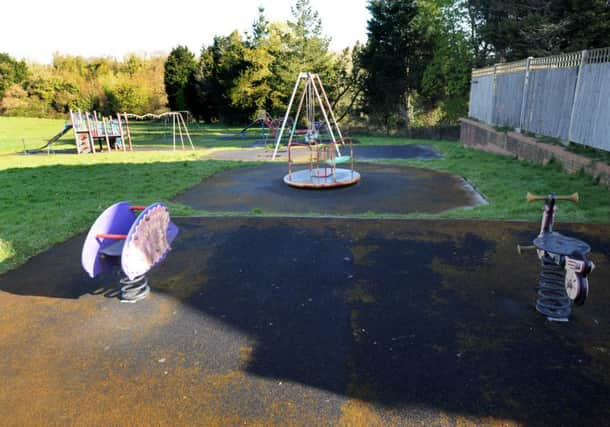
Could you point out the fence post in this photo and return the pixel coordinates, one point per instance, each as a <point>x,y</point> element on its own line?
<point>493,97</point>
<point>472,82</point>
<point>583,60</point>
<point>524,94</point>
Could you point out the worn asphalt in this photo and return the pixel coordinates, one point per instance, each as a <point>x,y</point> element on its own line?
<point>288,321</point>
<point>382,189</point>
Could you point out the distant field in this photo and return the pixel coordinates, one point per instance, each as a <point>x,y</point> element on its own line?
<point>17,133</point>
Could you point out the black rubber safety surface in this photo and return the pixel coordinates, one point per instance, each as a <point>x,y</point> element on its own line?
<point>382,189</point>
<point>308,322</point>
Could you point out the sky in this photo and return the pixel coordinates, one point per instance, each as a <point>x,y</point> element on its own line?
<point>34,29</point>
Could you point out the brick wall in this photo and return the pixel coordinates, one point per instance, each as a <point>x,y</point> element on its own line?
<point>483,137</point>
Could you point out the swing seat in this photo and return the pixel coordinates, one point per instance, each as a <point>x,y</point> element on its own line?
<point>338,160</point>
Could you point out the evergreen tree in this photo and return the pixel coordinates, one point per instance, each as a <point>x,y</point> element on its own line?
<point>260,29</point>
<point>202,89</point>
<point>254,87</point>
<point>392,60</point>
<point>229,63</point>
<point>508,30</point>
<point>307,47</point>
<point>445,81</point>
<point>179,66</point>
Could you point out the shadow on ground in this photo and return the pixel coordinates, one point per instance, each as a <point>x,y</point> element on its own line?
<point>414,319</point>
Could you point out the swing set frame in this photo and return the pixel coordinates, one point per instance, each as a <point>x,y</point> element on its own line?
<point>324,156</point>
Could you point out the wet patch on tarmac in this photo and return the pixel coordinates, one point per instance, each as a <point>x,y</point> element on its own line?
<point>309,321</point>
<point>382,189</point>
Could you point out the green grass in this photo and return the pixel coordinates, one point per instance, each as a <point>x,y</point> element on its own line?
<point>47,199</point>
<point>32,133</point>
<point>592,153</point>
<point>388,140</point>
<point>15,132</point>
<point>159,134</point>
<point>504,181</point>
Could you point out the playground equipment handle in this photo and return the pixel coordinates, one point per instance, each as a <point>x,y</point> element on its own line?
<point>533,197</point>
<point>523,248</point>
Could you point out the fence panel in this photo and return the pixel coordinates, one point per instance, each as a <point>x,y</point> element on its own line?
<point>591,121</point>
<point>481,97</point>
<point>507,105</point>
<point>549,101</point>
<point>563,96</point>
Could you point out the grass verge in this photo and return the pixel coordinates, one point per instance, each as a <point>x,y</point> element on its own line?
<point>504,181</point>
<point>47,199</point>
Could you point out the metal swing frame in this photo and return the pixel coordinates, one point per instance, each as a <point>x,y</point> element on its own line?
<point>323,155</point>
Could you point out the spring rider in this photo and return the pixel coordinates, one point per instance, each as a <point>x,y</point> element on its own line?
<point>137,237</point>
<point>564,264</point>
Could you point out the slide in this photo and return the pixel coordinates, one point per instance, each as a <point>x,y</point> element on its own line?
<point>56,137</point>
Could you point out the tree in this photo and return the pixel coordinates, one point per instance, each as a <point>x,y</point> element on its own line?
<point>300,47</point>
<point>212,84</point>
<point>346,82</point>
<point>229,63</point>
<point>11,72</point>
<point>127,96</point>
<point>257,87</point>
<point>445,83</point>
<point>178,68</point>
<point>260,29</point>
<point>392,60</point>
<point>199,89</point>
<point>515,29</point>
<point>307,48</point>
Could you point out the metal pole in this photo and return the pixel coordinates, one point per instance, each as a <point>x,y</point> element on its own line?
<point>174,130</point>
<point>296,117</point>
<point>583,60</point>
<point>524,94</point>
<point>178,116</point>
<point>186,130</point>
<point>294,91</point>
<point>332,113</point>
<point>330,129</point>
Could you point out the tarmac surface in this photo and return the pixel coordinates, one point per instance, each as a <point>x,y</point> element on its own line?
<point>272,321</point>
<point>382,189</point>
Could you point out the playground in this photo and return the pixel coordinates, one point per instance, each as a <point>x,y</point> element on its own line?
<point>397,298</point>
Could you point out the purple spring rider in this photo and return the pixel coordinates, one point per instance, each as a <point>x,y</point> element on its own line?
<point>140,241</point>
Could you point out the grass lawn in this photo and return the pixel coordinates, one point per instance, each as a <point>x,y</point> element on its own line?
<point>15,132</point>
<point>31,133</point>
<point>47,199</point>
<point>504,181</point>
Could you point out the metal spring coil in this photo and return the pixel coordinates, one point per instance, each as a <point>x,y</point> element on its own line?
<point>134,290</point>
<point>552,299</point>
